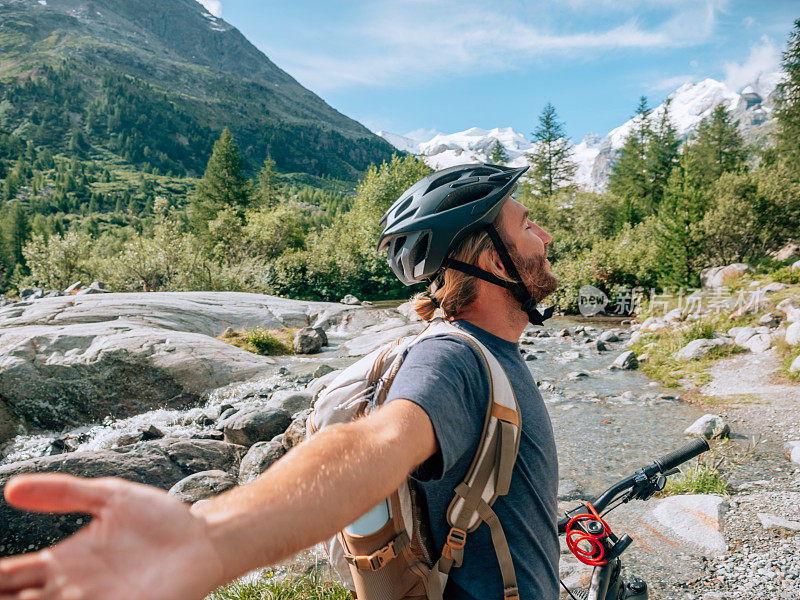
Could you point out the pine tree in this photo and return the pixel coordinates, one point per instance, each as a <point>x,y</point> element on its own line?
<point>223,184</point>
<point>267,186</point>
<point>661,158</point>
<point>716,148</point>
<point>679,237</point>
<point>788,147</point>
<point>498,155</point>
<point>15,231</point>
<point>629,178</point>
<point>552,163</point>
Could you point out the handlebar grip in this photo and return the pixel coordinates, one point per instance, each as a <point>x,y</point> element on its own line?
<point>682,454</point>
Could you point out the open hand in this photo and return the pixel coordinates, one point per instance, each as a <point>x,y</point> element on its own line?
<point>141,544</point>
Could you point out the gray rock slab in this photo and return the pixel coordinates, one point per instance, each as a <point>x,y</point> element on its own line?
<point>695,518</point>
<point>72,360</point>
<point>200,486</point>
<point>769,521</point>
<point>161,463</point>
<point>374,338</point>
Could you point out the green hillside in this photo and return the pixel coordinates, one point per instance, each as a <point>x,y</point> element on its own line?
<point>154,82</point>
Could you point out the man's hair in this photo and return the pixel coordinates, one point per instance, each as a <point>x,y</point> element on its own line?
<point>454,290</point>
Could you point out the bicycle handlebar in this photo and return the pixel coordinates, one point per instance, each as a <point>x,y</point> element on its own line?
<point>661,465</point>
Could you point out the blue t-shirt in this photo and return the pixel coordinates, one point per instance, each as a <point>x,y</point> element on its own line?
<point>445,376</point>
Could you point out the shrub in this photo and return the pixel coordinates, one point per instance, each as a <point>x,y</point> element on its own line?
<point>262,341</point>
<point>59,261</point>
<point>703,477</point>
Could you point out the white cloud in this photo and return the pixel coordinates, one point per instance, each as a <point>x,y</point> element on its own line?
<point>389,44</point>
<point>763,63</point>
<point>212,6</point>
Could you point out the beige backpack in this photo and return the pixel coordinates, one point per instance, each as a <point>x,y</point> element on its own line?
<point>399,562</point>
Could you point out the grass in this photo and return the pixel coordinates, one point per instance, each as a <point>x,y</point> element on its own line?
<point>662,364</point>
<point>787,355</point>
<point>694,397</point>
<point>267,342</point>
<point>307,587</point>
<point>700,478</point>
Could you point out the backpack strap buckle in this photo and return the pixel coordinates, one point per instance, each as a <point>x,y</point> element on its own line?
<point>380,557</point>
<point>511,593</point>
<point>456,538</point>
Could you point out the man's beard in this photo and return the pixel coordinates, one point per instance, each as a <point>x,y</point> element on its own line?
<point>536,275</point>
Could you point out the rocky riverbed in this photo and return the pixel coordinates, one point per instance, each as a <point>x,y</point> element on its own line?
<point>138,385</point>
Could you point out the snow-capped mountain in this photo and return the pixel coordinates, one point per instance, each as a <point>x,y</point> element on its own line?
<point>596,156</point>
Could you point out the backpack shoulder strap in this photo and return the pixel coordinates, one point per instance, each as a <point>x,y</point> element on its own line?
<point>489,475</point>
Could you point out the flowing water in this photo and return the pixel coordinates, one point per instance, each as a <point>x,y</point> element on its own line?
<point>606,423</point>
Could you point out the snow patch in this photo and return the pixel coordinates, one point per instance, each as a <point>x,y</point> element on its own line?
<point>43,2</point>
<point>594,156</point>
<point>212,6</point>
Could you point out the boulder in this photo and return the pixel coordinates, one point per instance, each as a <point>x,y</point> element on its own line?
<point>717,277</point>
<point>793,334</point>
<point>322,370</point>
<point>73,288</point>
<point>95,287</point>
<point>350,300</point>
<point>292,401</point>
<point>695,518</point>
<point>794,451</point>
<point>608,336</point>
<point>259,458</point>
<point>574,375</point>
<point>307,341</point>
<point>72,360</point>
<point>788,251</point>
<point>654,324</point>
<point>249,426</point>
<point>161,463</point>
<point>296,432</point>
<point>698,348</point>
<point>675,315</point>
<point>322,335</point>
<point>795,366</point>
<point>768,320</point>
<point>709,426</point>
<point>761,342</point>
<point>795,266</point>
<point>200,486</point>
<point>600,345</point>
<point>530,357</point>
<point>626,360</point>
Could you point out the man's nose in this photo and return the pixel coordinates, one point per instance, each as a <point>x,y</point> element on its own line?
<point>543,235</point>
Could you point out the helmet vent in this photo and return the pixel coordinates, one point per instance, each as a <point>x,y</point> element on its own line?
<point>443,180</point>
<point>465,195</point>
<point>400,209</point>
<point>482,172</point>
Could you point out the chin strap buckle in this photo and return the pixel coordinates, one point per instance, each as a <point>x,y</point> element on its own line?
<point>534,316</point>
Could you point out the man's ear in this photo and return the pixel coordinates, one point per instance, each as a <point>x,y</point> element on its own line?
<point>490,261</point>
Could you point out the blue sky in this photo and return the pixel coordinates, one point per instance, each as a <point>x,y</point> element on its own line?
<point>446,65</point>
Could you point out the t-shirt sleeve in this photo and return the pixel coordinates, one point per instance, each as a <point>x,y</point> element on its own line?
<point>446,378</point>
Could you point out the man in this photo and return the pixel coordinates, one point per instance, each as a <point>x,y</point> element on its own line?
<point>143,544</point>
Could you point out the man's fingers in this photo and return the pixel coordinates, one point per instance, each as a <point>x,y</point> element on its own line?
<point>24,595</point>
<point>22,572</point>
<point>57,493</point>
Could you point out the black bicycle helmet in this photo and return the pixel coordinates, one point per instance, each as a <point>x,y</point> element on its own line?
<point>434,214</point>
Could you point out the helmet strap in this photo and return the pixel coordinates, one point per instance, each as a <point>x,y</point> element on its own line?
<point>517,287</point>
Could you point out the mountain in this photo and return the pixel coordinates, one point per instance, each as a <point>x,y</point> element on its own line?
<point>155,81</point>
<point>753,107</point>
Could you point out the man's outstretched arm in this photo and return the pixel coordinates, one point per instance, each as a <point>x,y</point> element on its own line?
<point>143,544</point>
